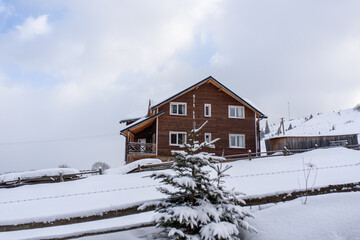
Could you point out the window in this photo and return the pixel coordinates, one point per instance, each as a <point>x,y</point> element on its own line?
<point>236,112</point>
<point>237,140</point>
<point>207,137</point>
<point>178,109</point>
<point>207,110</point>
<point>177,138</point>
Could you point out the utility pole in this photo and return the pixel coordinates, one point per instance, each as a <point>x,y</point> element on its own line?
<point>194,120</point>
<point>289,110</point>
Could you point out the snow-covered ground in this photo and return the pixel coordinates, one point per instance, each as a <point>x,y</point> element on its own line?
<point>325,217</point>
<point>333,216</point>
<point>336,123</point>
<point>95,194</point>
<point>104,225</point>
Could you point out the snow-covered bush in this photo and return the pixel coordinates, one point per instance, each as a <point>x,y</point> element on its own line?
<point>198,206</point>
<point>97,165</point>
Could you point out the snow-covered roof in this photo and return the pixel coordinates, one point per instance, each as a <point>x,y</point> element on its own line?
<point>140,121</point>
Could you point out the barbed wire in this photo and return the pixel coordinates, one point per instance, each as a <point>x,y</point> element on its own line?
<point>295,170</point>
<point>80,194</point>
<point>158,185</point>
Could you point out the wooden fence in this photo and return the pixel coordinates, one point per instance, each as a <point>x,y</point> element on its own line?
<point>48,179</point>
<point>249,201</point>
<point>237,157</point>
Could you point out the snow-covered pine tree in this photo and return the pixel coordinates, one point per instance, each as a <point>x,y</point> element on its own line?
<point>198,206</point>
<point>267,129</point>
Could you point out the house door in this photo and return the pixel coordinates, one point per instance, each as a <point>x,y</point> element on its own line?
<point>142,144</point>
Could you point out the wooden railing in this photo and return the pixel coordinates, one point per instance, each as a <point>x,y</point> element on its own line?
<point>135,147</point>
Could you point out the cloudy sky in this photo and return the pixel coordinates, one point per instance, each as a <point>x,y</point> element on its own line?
<point>70,70</point>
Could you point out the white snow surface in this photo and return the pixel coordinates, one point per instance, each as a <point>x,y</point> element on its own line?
<point>98,193</point>
<point>79,228</point>
<point>331,216</point>
<point>37,173</point>
<point>336,123</point>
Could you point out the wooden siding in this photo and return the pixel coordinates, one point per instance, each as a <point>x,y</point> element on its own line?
<point>219,124</point>
<point>307,141</point>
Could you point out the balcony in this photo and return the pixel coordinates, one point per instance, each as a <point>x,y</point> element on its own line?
<point>141,148</point>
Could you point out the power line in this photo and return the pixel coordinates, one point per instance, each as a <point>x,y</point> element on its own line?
<point>57,139</point>
<point>292,171</point>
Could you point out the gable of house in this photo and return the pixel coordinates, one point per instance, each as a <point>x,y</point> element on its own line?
<point>217,102</point>
<point>221,87</point>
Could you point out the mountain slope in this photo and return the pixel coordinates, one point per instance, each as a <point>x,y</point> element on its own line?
<point>335,123</point>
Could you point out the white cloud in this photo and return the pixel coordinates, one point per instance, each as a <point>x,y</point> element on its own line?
<point>33,27</point>
<point>108,59</point>
<point>4,9</point>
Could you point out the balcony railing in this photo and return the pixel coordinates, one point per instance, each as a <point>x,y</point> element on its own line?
<point>135,147</point>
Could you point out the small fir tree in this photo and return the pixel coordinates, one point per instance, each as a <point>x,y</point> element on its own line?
<point>290,127</point>
<point>198,206</point>
<point>267,129</point>
<point>262,134</point>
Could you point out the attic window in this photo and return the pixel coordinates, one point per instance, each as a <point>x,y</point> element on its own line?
<point>178,109</point>
<point>236,112</point>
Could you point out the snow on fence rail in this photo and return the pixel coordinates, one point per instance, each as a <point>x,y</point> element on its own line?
<point>255,200</point>
<point>18,179</point>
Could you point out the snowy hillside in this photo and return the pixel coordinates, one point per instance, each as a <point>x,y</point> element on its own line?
<point>335,123</point>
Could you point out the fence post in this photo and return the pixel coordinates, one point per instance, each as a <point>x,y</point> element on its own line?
<point>100,170</point>
<point>249,154</point>
<point>61,177</point>
<point>285,151</point>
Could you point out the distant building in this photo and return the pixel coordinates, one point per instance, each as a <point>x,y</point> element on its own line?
<point>306,142</point>
<point>231,118</point>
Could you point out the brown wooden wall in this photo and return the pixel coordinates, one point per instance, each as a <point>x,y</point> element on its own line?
<point>308,142</point>
<point>219,124</point>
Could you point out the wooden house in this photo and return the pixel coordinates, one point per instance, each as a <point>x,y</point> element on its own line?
<point>231,118</point>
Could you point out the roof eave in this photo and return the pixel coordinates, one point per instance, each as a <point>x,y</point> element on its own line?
<point>141,122</point>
